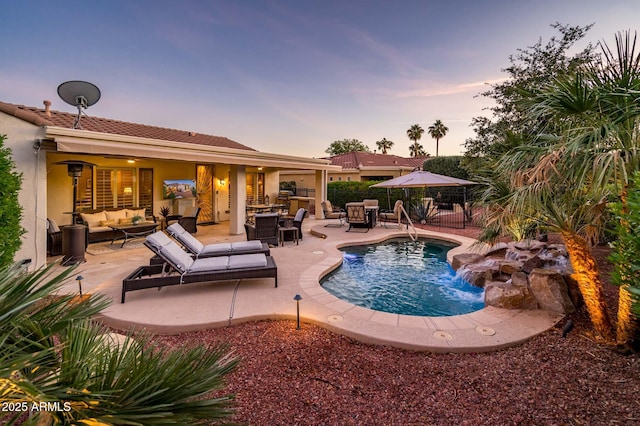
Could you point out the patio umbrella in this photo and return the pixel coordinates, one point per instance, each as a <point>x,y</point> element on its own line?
<point>419,179</point>
<point>422,179</point>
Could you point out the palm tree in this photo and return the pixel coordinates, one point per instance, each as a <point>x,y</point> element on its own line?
<point>53,351</point>
<point>591,146</point>
<point>384,145</point>
<point>416,150</point>
<point>415,133</point>
<point>438,131</point>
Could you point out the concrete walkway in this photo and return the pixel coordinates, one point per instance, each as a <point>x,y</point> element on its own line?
<point>199,306</point>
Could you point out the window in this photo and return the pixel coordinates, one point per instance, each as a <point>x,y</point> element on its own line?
<point>84,195</point>
<point>145,190</point>
<point>255,188</point>
<point>115,188</point>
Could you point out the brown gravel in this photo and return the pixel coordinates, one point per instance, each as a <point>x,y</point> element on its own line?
<point>315,377</point>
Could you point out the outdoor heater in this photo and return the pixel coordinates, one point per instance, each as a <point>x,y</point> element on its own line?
<point>73,236</point>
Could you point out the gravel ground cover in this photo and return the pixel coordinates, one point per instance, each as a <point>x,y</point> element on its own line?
<point>315,377</point>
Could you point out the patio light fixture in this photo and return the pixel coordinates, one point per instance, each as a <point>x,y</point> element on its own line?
<point>297,298</point>
<point>79,278</point>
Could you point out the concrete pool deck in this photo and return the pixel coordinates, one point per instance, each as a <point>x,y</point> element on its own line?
<point>199,306</point>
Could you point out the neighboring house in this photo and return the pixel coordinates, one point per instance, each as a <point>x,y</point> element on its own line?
<point>358,166</point>
<point>131,162</point>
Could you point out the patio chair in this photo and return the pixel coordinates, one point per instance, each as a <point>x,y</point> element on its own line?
<point>54,238</point>
<point>189,219</point>
<point>357,216</point>
<point>264,228</point>
<point>393,216</point>
<point>332,212</point>
<point>180,268</point>
<point>297,221</point>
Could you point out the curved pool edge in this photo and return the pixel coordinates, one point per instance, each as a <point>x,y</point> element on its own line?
<point>487,329</point>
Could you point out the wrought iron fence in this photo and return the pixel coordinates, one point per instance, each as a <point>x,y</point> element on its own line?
<point>450,207</point>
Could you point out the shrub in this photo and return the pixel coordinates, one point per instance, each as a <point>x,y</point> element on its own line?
<point>448,166</point>
<point>10,209</point>
<point>53,352</point>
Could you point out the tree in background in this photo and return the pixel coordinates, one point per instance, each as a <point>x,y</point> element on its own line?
<point>415,133</point>
<point>384,145</point>
<point>346,145</point>
<point>437,131</point>
<point>416,150</point>
<point>448,166</point>
<point>529,69</point>
<point>10,209</point>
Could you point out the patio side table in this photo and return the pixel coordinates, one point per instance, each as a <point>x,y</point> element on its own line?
<point>284,230</point>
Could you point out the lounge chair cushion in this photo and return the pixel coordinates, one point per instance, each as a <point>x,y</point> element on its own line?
<point>246,245</point>
<point>172,251</point>
<point>188,240</point>
<point>210,264</point>
<point>195,246</point>
<point>240,261</point>
<point>158,240</point>
<point>257,260</point>
<point>177,256</point>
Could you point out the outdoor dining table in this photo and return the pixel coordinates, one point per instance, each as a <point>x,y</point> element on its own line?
<point>372,212</point>
<point>252,209</point>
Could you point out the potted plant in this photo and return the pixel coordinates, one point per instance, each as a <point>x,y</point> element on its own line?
<point>165,211</point>
<point>137,219</point>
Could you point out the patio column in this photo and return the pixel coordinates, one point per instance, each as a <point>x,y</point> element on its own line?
<point>321,191</point>
<point>238,195</point>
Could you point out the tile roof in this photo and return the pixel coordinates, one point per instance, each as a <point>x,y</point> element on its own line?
<point>40,117</point>
<point>356,160</point>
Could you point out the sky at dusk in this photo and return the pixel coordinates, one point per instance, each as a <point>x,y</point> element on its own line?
<point>286,77</point>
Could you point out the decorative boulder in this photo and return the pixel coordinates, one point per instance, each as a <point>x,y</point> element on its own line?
<point>509,296</point>
<point>480,272</point>
<point>509,266</point>
<point>497,250</point>
<point>520,279</point>
<point>531,264</point>
<point>465,258</point>
<point>550,289</point>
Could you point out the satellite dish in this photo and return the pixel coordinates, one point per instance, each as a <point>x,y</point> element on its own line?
<point>80,94</point>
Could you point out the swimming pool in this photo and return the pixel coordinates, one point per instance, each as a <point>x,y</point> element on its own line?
<point>403,277</point>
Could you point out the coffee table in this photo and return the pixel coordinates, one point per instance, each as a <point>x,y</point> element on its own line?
<point>133,231</point>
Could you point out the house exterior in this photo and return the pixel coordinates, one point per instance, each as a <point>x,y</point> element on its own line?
<point>358,167</point>
<point>129,164</point>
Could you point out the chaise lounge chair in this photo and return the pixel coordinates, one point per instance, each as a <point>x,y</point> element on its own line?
<point>193,245</point>
<point>180,268</point>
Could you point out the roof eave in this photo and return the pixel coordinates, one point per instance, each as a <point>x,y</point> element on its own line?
<point>82,141</point>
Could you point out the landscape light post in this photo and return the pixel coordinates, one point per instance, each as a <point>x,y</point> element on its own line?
<point>297,298</point>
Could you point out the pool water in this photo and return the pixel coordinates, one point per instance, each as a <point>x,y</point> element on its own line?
<point>403,277</point>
